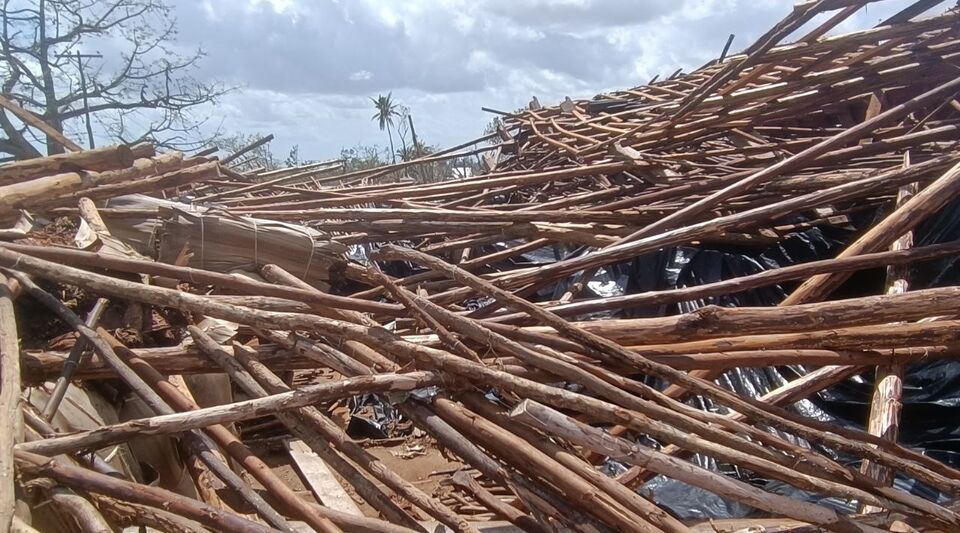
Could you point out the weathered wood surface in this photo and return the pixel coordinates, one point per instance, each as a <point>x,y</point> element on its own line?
<point>98,160</point>
<point>29,118</point>
<point>320,479</point>
<point>554,422</point>
<point>9,401</point>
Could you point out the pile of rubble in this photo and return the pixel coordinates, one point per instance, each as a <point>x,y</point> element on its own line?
<point>633,320</point>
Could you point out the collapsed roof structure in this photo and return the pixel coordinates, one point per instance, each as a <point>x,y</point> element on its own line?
<point>711,297</point>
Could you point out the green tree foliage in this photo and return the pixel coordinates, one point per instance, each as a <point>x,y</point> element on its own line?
<point>260,157</point>
<point>387,111</point>
<point>363,157</point>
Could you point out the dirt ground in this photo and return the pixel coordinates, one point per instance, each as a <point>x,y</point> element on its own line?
<point>416,459</point>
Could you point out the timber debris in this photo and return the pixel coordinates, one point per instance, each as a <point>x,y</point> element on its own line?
<point>203,313</point>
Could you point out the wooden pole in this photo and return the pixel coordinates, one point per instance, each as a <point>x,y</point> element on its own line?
<point>72,361</point>
<point>326,427</point>
<point>886,404</point>
<point>757,411</point>
<point>235,412</point>
<point>227,441</point>
<point>535,496</point>
<point>29,118</point>
<point>297,425</point>
<point>9,402</point>
<point>75,477</point>
<point>523,456</point>
<point>86,516</point>
<point>545,419</point>
<point>99,160</point>
<point>853,441</point>
<point>906,217</point>
<point>196,442</point>
<point>504,510</point>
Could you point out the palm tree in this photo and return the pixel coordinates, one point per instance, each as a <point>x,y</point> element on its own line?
<point>386,110</point>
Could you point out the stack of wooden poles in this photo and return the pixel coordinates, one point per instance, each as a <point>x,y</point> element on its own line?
<point>520,370</point>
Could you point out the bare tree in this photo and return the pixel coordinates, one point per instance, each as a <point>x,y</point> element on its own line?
<point>143,91</point>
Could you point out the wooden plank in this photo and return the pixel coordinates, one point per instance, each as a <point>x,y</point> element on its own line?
<point>33,120</point>
<point>321,480</point>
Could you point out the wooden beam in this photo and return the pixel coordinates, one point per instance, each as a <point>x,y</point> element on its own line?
<point>321,480</point>
<point>31,119</point>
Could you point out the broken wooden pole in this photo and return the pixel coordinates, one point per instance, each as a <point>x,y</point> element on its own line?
<point>886,403</point>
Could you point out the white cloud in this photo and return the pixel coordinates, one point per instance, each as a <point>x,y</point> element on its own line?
<point>310,65</point>
<point>279,6</point>
<point>208,10</point>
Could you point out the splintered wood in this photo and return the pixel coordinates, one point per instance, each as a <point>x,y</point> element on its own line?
<point>572,339</point>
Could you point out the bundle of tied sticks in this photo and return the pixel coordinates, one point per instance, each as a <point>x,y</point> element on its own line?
<point>480,308</point>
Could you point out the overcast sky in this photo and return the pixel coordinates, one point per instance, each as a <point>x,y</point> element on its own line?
<point>307,68</point>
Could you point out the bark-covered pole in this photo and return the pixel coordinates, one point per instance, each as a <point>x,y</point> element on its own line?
<point>10,418</point>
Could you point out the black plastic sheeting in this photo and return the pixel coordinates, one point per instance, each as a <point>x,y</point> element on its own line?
<point>931,390</point>
<point>931,393</point>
